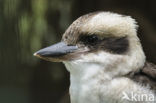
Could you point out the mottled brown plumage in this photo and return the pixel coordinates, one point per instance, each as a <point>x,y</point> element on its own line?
<point>74,30</point>
<point>146,76</point>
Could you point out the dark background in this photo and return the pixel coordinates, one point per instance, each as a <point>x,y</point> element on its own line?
<point>28,25</point>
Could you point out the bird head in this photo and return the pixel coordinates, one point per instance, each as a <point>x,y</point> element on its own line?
<point>99,40</point>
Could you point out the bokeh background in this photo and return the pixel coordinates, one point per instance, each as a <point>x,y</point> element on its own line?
<point>28,25</point>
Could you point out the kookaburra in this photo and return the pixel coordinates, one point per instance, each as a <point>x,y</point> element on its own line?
<point>105,59</point>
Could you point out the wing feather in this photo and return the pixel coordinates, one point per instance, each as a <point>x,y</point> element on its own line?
<point>146,76</point>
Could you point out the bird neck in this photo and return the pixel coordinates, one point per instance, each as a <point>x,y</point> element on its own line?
<point>86,72</point>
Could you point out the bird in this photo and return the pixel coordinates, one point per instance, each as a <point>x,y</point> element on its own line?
<point>105,59</point>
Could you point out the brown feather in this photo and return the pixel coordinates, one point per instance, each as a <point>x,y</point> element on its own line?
<point>146,76</point>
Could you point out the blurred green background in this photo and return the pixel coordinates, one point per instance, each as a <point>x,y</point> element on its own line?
<point>29,25</point>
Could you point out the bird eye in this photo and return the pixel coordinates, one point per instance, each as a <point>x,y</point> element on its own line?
<point>89,39</point>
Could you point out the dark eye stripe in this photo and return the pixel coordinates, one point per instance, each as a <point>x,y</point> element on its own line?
<point>115,45</point>
<point>89,39</point>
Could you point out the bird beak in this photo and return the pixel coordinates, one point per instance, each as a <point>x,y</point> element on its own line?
<point>55,52</point>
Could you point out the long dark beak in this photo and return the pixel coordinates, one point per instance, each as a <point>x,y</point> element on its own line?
<point>56,50</point>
